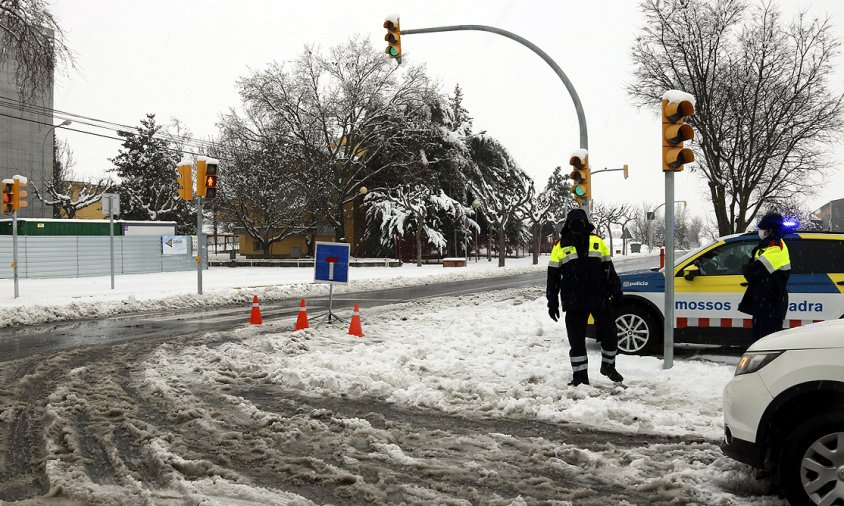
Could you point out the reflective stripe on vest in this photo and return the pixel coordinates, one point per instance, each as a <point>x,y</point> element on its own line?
<point>775,257</point>
<point>561,254</point>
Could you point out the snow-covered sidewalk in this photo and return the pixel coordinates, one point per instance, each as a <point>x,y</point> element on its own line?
<point>43,300</point>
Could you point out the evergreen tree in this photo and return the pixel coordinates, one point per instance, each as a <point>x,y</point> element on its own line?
<point>461,121</point>
<point>146,167</point>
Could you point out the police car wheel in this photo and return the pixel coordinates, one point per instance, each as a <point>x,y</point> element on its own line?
<point>637,332</point>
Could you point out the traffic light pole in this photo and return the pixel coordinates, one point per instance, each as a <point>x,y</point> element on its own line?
<point>668,325</point>
<point>15,249</point>
<point>581,117</point>
<point>199,245</point>
<point>111,236</point>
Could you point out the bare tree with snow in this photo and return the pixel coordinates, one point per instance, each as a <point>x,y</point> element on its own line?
<point>501,186</point>
<point>70,196</point>
<point>604,215</point>
<point>765,111</point>
<point>547,208</point>
<point>265,190</point>
<point>63,192</point>
<point>345,110</point>
<point>31,37</point>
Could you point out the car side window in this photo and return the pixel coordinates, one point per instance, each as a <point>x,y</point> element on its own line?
<point>726,260</point>
<point>816,256</point>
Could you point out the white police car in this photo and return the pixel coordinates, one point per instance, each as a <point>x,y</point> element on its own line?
<point>709,285</point>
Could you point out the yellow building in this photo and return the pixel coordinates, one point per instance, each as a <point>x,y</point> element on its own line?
<point>296,246</point>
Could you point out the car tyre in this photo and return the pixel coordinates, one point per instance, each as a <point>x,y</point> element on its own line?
<point>638,331</point>
<point>811,463</point>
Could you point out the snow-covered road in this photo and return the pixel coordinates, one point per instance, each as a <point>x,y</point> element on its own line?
<point>458,400</point>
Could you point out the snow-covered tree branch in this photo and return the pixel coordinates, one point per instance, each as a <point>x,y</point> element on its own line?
<point>500,185</point>
<point>414,208</point>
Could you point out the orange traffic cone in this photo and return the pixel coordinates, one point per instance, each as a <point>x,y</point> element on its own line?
<point>255,317</point>
<point>302,319</point>
<point>354,327</point>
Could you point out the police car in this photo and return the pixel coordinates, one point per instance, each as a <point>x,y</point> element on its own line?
<point>708,286</point>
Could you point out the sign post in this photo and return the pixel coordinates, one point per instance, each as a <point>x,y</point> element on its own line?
<point>331,266</point>
<point>111,206</point>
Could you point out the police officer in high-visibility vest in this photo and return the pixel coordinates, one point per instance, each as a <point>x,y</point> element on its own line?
<point>581,273</point>
<point>767,271</point>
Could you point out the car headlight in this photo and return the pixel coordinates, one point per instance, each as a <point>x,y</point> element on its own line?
<point>753,361</point>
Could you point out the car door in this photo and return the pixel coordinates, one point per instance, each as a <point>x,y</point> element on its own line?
<point>708,289</point>
<point>816,284</point>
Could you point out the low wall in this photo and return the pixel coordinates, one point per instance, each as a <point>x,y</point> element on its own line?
<point>78,256</point>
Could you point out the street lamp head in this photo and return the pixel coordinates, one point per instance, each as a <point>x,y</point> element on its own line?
<point>363,190</point>
<point>476,203</point>
<point>65,123</point>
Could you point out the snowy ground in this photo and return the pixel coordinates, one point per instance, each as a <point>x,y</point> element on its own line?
<point>461,401</point>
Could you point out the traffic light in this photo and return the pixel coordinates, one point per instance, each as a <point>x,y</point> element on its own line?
<point>185,183</point>
<point>8,195</point>
<point>19,193</point>
<point>676,108</point>
<point>581,175</point>
<point>393,37</point>
<point>211,180</point>
<point>206,178</point>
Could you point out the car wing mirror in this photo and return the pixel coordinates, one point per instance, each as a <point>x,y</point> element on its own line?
<point>691,272</point>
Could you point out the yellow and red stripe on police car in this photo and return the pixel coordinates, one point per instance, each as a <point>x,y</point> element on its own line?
<point>734,323</point>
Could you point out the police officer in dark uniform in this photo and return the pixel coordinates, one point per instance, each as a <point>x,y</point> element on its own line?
<point>581,273</point>
<point>766,298</point>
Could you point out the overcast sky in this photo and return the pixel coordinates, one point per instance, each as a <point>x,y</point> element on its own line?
<point>182,59</point>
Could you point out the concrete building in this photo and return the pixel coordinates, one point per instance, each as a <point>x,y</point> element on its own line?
<point>831,216</point>
<point>26,138</point>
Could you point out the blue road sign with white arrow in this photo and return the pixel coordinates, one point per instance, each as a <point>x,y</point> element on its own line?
<point>332,262</point>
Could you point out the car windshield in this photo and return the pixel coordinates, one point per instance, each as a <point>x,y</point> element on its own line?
<point>693,252</point>
<point>688,255</point>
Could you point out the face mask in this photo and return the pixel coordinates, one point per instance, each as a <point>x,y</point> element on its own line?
<point>762,233</point>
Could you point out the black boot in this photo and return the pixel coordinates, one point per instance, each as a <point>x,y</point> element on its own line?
<point>579,378</point>
<point>609,371</point>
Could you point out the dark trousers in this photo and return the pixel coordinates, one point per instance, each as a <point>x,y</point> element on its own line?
<point>605,332</point>
<point>576,330</point>
<point>764,326</point>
